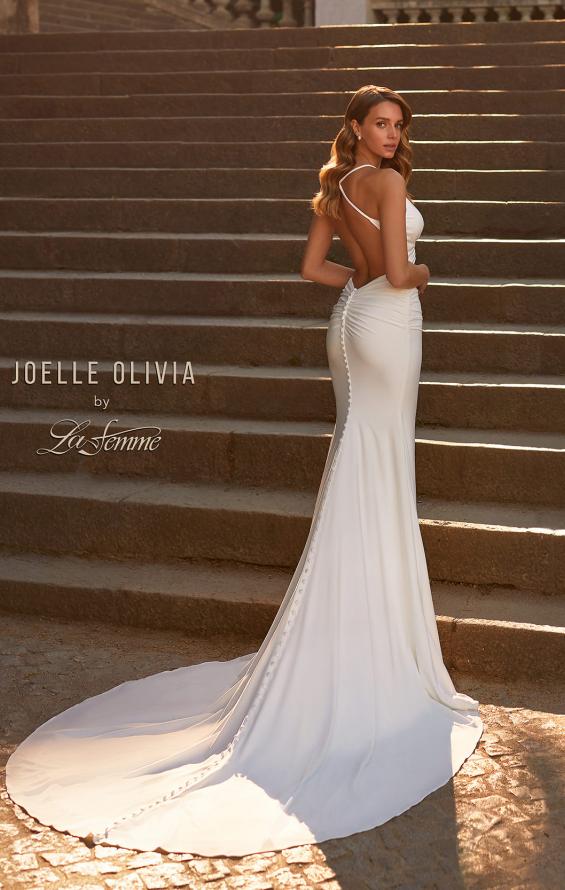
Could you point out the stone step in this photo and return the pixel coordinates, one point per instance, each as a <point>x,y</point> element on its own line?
<point>268,215</point>
<point>126,518</point>
<point>452,464</point>
<point>447,127</point>
<point>534,301</point>
<point>298,342</point>
<point>495,401</point>
<point>233,482</point>
<point>57,15</point>
<point>491,401</point>
<point>490,632</point>
<point>486,155</point>
<point>259,252</point>
<point>248,183</point>
<point>106,16</point>
<point>262,392</point>
<point>56,25</point>
<point>462,101</point>
<point>498,402</point>
<point>126,8</point>
<point>50,20</point>
<point>79,23</point>
<point>548,76</point>
<point>532,31</point>
<point>59,22</point>
<point>491,465</point>
<point>420,55</point>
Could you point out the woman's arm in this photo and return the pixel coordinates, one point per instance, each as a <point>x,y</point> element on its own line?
<point>392,213</point>
<point>315,266</point>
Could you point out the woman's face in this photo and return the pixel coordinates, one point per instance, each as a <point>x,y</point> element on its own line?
<point>381,129</point>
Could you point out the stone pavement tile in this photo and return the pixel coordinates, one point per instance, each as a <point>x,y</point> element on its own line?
<point>126,882</point>
<point>260,862</point>
<point>168,874</point>
<point>284,877</point>
<point>23,861</point>
<point>85,887</point>
<point>317,873</point>
<point>499,823</point>
<point>106,851</point>
<point>90,868</point>
<point>54,857</point>
<point>37,876</point>
<point>209,869</point>
<point>145,858</point>
<point>249,882</point>
<point>298,855</point>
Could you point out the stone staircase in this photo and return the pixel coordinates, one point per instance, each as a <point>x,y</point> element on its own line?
<point>155,202</point>
<point>105,15</point>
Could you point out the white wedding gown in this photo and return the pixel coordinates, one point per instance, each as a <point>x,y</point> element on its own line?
<point>346,715</point>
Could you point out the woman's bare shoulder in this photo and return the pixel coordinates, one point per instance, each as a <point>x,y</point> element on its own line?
<point>391,180</point>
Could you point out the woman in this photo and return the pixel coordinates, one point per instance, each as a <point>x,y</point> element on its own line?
<point>346,715</point>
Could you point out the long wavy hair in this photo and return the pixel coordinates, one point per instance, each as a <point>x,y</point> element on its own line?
<point>327,199</point>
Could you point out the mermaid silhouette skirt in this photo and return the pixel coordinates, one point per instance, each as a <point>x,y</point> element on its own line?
<point>345,716</point>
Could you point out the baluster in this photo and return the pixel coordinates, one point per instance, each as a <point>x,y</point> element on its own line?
<point>243,18</point>
<point>265,14</point>
<point>504,13</point>
<point>390,12</point>
<point>308,13</point>
<point>287,19</point>
<point>204,6</point>
<point>480,13</point>
<point>220,13</point>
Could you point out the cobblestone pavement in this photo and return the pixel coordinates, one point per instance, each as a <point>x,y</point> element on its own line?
<point>499,823</point>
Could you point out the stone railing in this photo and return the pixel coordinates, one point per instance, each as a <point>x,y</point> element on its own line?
<point>23,15</point>
<point>241,13</point>
<point>461,11</point>
<point>300,13</point>
<point>20,16</point>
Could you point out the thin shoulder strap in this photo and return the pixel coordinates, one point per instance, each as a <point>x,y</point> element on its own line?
<point>362,212</point>
<point>353,169</point>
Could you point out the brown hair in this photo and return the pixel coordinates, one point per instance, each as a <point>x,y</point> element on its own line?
<point>326,200</point>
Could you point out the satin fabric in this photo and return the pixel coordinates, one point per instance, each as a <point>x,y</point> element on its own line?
<point>346,715</point>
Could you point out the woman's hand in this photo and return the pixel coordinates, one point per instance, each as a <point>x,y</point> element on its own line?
<point>422,287</point>
<point>360,275</point>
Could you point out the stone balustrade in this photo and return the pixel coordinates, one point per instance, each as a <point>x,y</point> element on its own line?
<point>24,15</point>
<point>461,11</point>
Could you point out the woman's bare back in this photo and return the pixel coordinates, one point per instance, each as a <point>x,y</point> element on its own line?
<point>360,237</point>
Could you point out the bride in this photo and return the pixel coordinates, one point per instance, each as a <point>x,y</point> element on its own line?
<point>346,715</point>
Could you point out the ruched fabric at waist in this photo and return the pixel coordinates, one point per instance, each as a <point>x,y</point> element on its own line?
<point>393,305</point>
